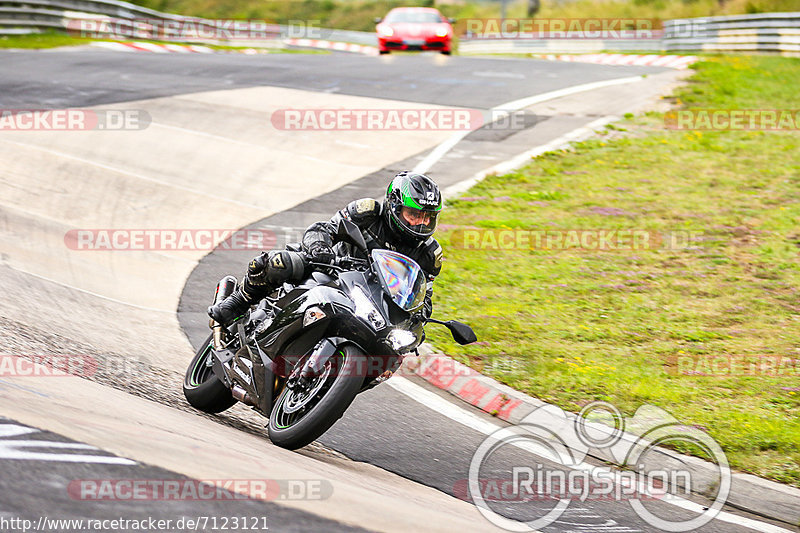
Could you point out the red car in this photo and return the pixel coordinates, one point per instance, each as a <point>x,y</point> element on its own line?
<point>414,28</point>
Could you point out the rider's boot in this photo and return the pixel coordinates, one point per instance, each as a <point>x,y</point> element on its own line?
<point>231,307</point>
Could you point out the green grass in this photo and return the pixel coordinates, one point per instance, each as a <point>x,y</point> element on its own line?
<point>41,40</point>
<point>572,326</point>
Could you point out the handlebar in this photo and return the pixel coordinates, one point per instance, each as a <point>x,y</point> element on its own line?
<point>342,264</point>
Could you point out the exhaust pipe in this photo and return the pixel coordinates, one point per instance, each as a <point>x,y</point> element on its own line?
<point>241,395</point>
<point>224,289</point>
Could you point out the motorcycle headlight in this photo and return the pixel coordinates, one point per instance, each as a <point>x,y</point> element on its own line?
<point>401,338</point>
<point>366,310</point>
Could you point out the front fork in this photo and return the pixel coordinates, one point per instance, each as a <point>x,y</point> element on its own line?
<point>225,288</point>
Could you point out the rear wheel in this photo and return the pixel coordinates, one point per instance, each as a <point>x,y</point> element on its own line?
<point>305,411</point>
<point>202,388</point>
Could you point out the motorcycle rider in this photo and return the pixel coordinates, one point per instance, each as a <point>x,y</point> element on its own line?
<point>404,222</point>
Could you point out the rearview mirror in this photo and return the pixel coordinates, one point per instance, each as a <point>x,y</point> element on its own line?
<point>349,232</point>
<point>451,20</point>
<point>462,333</point>
<point>378,20</point>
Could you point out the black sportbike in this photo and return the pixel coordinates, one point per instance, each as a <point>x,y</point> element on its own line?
<point>303,353</point>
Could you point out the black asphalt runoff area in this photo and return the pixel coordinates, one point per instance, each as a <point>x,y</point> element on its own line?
<point>72,496</point>
<point>63,78</point>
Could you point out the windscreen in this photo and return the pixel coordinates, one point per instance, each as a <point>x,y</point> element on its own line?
<point>417,17</point>
<point>402,277</point>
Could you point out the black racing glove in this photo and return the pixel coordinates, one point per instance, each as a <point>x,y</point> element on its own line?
<point>257,271</point>
<point>320,252</point>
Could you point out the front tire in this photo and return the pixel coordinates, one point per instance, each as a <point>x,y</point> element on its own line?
<point>332,397</point>
<point>201,387</point>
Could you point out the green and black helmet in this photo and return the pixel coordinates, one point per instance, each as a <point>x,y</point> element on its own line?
<point>412,206</point>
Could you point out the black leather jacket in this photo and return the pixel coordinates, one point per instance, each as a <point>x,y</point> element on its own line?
<point>367,214</point>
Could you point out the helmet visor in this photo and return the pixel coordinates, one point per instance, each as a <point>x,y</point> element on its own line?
<point>419,222</point>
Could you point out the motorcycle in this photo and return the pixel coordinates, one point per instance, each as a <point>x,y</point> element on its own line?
<point>302,354</point>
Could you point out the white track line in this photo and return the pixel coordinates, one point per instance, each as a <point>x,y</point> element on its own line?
<point>444,407</point>
<point>437,153</point>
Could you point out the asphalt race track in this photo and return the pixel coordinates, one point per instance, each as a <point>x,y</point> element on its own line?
<point>210,159</point>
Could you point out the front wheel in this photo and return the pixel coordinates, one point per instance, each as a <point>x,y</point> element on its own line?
<point>303,413</point>
<point>202,388</point>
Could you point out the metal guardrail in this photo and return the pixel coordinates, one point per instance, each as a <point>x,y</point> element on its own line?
<point>347,36</point>
<point>118,19</point>
<point>763,32</point>
<point>130,20</point>
<point>126,20</point>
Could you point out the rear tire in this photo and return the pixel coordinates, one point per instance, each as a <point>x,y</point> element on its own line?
<point>338,392</point>
<point>201,387</point>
